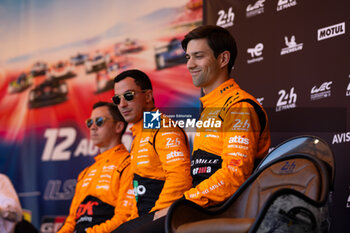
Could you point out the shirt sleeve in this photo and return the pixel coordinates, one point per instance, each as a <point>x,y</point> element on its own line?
<point>125,204</point>
<point>174,154</point>
<point>69,223</point>
<point>241,132</point>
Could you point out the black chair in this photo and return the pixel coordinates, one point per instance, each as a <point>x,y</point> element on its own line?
<point>287,192</point>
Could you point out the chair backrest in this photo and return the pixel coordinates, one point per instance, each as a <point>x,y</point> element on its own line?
<point>300,172</point>
<point>304,144</point>
<point>304,164</point>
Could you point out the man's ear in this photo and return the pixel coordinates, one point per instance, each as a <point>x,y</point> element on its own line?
<point>149,96</point>
<point>224,58</point>
<point>119,126</point>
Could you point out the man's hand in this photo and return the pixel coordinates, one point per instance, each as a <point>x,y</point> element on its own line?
<point>160,213</point>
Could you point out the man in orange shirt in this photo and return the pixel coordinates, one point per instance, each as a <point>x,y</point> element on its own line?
<point>160,156</point>
<point>103,196</point>
<point>223,156</point>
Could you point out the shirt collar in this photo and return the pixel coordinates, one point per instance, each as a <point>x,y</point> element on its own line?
<point>216,94</point>
<point>110,152</point>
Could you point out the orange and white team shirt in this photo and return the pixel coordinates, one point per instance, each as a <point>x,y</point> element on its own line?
<point>160,160</point>
<point>224,153</point>
<point>104,197</point>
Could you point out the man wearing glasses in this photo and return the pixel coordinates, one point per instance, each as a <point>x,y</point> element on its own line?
<point>103,196</point>
<point>160,158</point>
<point>243,136</point>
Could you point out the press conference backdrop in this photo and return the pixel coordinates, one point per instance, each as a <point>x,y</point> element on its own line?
<point>58,58</point>
<point>294,56</point>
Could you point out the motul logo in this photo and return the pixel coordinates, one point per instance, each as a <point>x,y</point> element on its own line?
<point>331,31</point>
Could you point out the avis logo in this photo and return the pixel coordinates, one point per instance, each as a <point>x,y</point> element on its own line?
<point>286,100</point>
<point>292,46</point>
<point>151,120</point>
<point>256,53</point>
<point>341,138</point>
<point>331,31</point>
<point>284,4</point>
<point>323,91</point>
<point>256,9</point>
<point>225,19</point>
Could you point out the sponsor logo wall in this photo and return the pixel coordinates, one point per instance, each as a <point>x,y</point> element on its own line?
<point>57,59</point>
<point>294,57</point>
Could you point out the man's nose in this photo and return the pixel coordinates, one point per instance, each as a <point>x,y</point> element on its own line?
<point>123,102</point>
<point>93,126</point>
<point>190,63</point>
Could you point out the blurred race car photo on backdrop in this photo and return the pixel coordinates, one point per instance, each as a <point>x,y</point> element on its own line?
<point>79,59</point>
<point>21,83</point>
<point>38,69</point>
<point>49,92</point>
<point>170,55</point>
<point>97,63</point>
<point>61,70</point>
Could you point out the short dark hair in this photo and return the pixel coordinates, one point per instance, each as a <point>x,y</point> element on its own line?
<point>114,111</point>
<point>141,79</point>
<point>218,38</point>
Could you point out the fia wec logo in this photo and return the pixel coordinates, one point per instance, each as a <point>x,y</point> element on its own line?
<point>256,9</point>
<point>321,92</point>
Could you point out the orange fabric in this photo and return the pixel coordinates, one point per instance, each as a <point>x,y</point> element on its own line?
<point>105,172</point>
<point>237,142</point>
<point>169,161</point>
